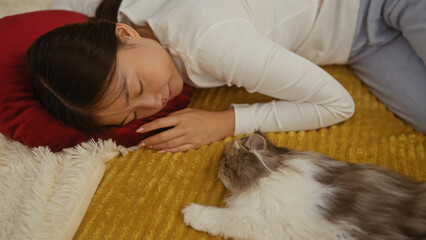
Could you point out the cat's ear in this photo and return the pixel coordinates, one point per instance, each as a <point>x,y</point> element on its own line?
<point>256,142</point>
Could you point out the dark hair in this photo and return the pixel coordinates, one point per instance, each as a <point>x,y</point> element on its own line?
<point>72,68</point>
<point>108,9</point>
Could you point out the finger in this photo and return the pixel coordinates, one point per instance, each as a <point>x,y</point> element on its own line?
<point>171,143</point>
<point>182,148</point>
<point>159,138</point>
<point>157,124</point>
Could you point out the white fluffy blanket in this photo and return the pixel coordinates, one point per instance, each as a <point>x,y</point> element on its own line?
<point>44,195</point>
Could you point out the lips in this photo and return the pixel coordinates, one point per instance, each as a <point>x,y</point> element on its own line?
<point>171,91</point>
<point>170,96</point>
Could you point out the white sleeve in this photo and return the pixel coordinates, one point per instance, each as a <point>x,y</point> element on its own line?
<point>308,97</point>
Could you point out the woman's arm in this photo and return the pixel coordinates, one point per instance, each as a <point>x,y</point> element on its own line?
<point>309,98</point>
<point>234,52</point>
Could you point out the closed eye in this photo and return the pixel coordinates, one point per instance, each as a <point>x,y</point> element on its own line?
<point>127,100</point>
<point>141,90</point>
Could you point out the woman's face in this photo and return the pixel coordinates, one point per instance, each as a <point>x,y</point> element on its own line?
<point>146,79</point>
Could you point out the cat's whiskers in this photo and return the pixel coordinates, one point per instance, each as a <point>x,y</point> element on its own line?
<point>216,178</point>
<point>216,171</point>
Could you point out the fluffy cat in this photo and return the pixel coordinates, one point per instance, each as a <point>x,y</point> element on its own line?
<point>278,193</point>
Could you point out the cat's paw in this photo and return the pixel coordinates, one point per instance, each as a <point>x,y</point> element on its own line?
<point>192,216</point>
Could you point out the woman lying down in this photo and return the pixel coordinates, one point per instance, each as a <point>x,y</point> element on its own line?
<point>135,56</point>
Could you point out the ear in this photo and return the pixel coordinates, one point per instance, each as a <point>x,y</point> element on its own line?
<point>125,31</point>
<point>256,142</point>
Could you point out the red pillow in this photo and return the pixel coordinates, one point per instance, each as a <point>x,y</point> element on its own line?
<point>22,117</point>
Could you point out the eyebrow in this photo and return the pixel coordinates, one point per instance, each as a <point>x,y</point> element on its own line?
<point>126,91</point>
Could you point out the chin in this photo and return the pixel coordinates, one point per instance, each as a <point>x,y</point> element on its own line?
<point>151,113</point>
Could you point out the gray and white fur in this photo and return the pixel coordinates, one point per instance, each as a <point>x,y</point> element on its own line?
<point>278,193</point>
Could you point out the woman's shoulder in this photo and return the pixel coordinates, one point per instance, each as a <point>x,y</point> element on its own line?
<point>181,14</point>
<point>183,22</point>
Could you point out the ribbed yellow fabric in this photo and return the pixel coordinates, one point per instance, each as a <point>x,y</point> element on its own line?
<point>142,193</point>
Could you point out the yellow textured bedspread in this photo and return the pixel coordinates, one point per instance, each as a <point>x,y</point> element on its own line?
<point>142,193</point>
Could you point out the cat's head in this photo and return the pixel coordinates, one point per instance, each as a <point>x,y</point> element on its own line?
<point>248,159</point>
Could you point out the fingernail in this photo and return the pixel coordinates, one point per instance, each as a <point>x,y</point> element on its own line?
<point>139,130</point>
<point>142,144</point>
<point>162,151</point>
<point>150,146</point>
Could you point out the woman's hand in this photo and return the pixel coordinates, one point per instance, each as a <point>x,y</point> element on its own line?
<point>191,128</point>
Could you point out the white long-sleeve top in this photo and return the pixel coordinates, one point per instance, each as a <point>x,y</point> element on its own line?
<point>266,46</point>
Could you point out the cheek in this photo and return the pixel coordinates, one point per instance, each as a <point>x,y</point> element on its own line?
<point>156,80</point>
<point>224,176</point>
<point>163,65</point>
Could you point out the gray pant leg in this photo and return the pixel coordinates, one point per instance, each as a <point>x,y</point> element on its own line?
<point>390,65</point>
<point>409,17</point>
<point>397,76</point>
<point>381,21</point>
